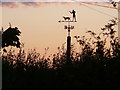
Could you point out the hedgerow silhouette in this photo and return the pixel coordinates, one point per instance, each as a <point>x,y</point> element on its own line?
<point>96,66</point>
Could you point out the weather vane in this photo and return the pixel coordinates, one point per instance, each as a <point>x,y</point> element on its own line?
<point>69,27</point>
<point>68,19</point>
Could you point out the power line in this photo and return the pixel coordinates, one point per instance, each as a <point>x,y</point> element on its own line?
<point>94,8</point>
<point>99,11</point>
<point>100,5</point>
<point>97,4</point>
<point>85,4</point>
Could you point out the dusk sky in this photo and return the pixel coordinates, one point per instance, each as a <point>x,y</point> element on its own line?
<point>39,24</point>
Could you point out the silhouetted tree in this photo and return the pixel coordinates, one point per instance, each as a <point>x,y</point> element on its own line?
<point>10,37</point>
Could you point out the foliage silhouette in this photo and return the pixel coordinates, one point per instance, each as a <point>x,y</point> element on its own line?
<point>96,66</point>
<point>10,37</point>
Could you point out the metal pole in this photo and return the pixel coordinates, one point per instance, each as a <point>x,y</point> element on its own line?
<point>68,44</point>
<point>68,49</point>
<point>68,27</point>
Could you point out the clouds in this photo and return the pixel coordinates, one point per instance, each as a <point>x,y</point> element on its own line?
<point>39,3</point>
<point>29,4</point>
<point>9,4</point>
<point>33,4</point>
<point>24,4</point>
<point>55,0</point>
<point>59,0</point>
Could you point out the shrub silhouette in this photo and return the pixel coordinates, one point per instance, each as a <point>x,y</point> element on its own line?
<point>96,66</point>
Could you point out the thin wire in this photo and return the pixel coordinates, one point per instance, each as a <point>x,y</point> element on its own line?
<point>100,5</point>
<point>91,3</point>
<point>100,11</point>
<point>97,10</point>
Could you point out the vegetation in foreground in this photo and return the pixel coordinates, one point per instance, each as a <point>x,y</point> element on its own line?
<point>96,66</point>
